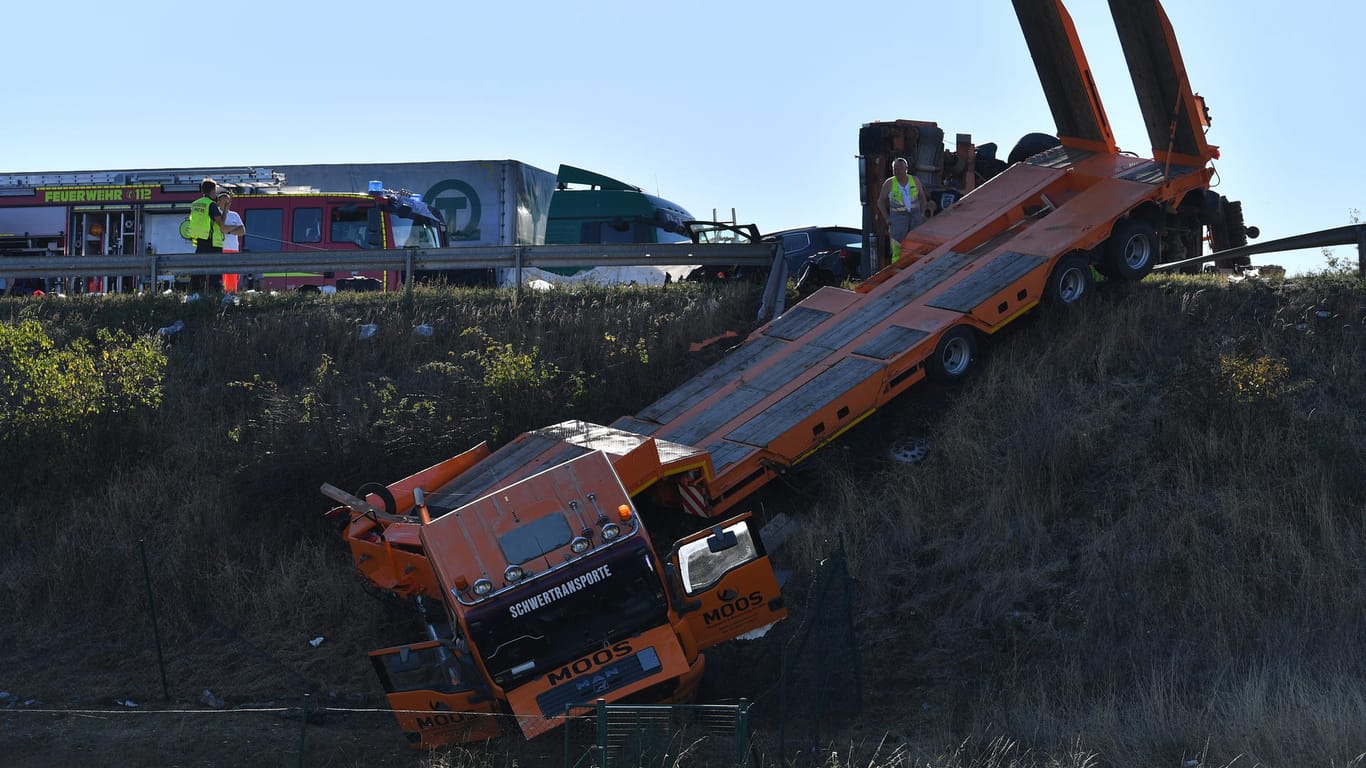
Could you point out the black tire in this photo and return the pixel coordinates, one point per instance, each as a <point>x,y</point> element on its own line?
<point>953,355</point>
<point>1070,282</point>
<point>382,491</point>
<point>1230,232</point>
<point>1131,252</point>
<point>1030,145</point>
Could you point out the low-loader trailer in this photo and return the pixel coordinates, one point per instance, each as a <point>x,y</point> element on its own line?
<point>544,588</point>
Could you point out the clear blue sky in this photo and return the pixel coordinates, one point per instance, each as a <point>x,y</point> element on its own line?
<point>751,106</point>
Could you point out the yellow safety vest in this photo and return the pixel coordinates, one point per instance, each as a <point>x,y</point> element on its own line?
<point>896,192</point>
<point>200,223</point>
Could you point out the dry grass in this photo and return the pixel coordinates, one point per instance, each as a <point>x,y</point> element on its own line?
<point>1135,540</point>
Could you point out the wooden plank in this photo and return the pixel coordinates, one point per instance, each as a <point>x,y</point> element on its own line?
<point>795,323</point>
<point>802,403</point>
<point>746,395</point>
<point>697,388</point>
<point>987,281</point>
<point>891,342</point>
<point>726,454</point>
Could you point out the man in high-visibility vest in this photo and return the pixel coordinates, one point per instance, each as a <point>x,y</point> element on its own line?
<point>901,203</point>
<point>205,228</point>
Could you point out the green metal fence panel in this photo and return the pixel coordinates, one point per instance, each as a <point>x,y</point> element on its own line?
<point>657,736</point>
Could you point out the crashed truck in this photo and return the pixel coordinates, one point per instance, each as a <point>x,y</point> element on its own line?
<point>541,586</point>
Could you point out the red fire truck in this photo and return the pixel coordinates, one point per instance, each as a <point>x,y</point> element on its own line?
<point>94,213</point>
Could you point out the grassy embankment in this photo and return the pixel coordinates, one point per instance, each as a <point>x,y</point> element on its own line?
<point>1135,541</point>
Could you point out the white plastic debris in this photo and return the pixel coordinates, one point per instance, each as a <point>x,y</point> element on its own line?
<point>422,330</point>
<point>368,330</point>
<point>126,703</point>
<point>207,698</point>
<point>189,297</point>
<point>317,641</point>
<point>172,328</point>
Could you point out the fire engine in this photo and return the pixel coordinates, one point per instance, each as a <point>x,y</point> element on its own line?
<point>87,213</point>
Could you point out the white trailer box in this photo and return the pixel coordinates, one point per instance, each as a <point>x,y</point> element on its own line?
<point>484,202</point>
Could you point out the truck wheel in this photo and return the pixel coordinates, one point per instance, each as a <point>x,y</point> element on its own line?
<point>953,355</point>
<point>1069,282</point>
<point>1030,145</point>
<point>1131,251</point>
<point>1230,232</point>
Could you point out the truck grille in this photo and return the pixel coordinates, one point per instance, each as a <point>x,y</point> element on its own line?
<point>594,683</point>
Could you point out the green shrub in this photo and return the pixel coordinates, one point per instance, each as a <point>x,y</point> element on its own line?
<point>57,391</point>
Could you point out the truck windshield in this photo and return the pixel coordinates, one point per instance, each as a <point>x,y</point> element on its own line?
<point>548,624</point>
<point>414,233</point>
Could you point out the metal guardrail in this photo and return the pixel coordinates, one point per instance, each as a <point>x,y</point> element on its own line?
<point>1354,234</point>
<point>408,259</point>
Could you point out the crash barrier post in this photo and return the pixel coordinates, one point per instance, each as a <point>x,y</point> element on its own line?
<point>303,732</point>
<point>1361,251</point>
<point>603,735</point>
<point>821,682</point>
<point>156,629</point>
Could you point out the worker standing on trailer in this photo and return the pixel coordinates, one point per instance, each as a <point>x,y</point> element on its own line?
<point>902,204</point>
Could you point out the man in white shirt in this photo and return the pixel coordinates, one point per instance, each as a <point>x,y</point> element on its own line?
<point>231,239</point>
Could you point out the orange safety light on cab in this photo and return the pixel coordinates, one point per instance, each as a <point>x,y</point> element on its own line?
<point>624,512</point>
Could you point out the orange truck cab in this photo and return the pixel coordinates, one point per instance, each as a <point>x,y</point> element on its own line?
<point>554,596</point>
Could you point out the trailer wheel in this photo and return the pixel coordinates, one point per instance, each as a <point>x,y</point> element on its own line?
<point>1069,282</point>
<point>1131,252</point>
<point>382,491</point>
<point>953,355</point>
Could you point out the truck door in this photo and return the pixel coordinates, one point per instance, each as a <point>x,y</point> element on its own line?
<point>723,583</point>
<point>429,689</point>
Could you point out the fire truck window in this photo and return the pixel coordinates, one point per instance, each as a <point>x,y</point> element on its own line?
<point>701,568</point>
<point>265,229</point>
<point>308,225</point>
<point>347,224</point>
<point>535,538</point>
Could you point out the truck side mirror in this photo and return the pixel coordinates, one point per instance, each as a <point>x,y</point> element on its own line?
<point>374,228</point>
<point>720,540</point>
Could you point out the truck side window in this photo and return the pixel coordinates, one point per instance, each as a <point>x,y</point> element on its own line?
<point>348,225</point>
<point>265,229</point>
<point>308,225</point>
<point>701,568</point>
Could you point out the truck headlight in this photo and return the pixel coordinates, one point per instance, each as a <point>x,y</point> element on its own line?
<point>579,545</point>
<point>610,531</point>
<point>482,587</point>
<point>513,573</point>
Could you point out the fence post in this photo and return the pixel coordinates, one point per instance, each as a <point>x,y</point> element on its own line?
<point>1361,250</point>
<point>303,731</point>
<point>782,705</point>
<point>156,630</point>
<point>848,583</point>
<point>742,735</point>
<point>602,730</point>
